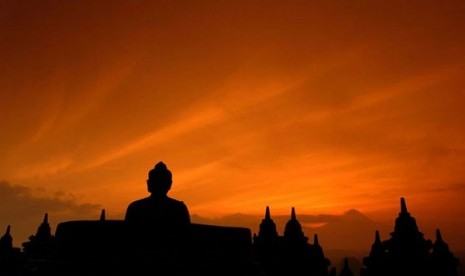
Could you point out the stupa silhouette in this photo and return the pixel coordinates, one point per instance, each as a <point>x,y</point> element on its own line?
<point>112,247</point>
<point>11,259</point>
<point>40,245</point>
<point>408,253</point>
<point>290,254</point>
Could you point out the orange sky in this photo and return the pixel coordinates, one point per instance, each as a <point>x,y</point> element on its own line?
<point>321,105</point>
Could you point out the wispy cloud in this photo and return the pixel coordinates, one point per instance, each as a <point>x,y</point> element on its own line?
<point>45,168</point>
<point>25,207</point>
<point>195,121</point>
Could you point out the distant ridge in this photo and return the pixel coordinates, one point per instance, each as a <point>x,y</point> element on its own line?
<point>350,231</point>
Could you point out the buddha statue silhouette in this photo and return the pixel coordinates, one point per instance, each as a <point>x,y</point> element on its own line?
<point>158,209</point>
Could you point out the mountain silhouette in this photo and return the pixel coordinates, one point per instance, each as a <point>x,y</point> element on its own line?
<point>351,230</point>
<point>346,235</point>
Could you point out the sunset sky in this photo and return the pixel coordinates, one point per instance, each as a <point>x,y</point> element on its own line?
<point>321,105</point>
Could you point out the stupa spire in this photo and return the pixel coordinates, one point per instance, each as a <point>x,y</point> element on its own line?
<point>377,248</point>
<point>44,231</point>
<point>293,229</point>
<point>403,206</point>
<point>439,236</point>
<point>267,227</point>
<point>293,216</point>
<point>377,237</point>
<point>443,257</point>
<point>6,241</point>
<point>267,213</point>
<point>315,240</point>
<point>102,215</point>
